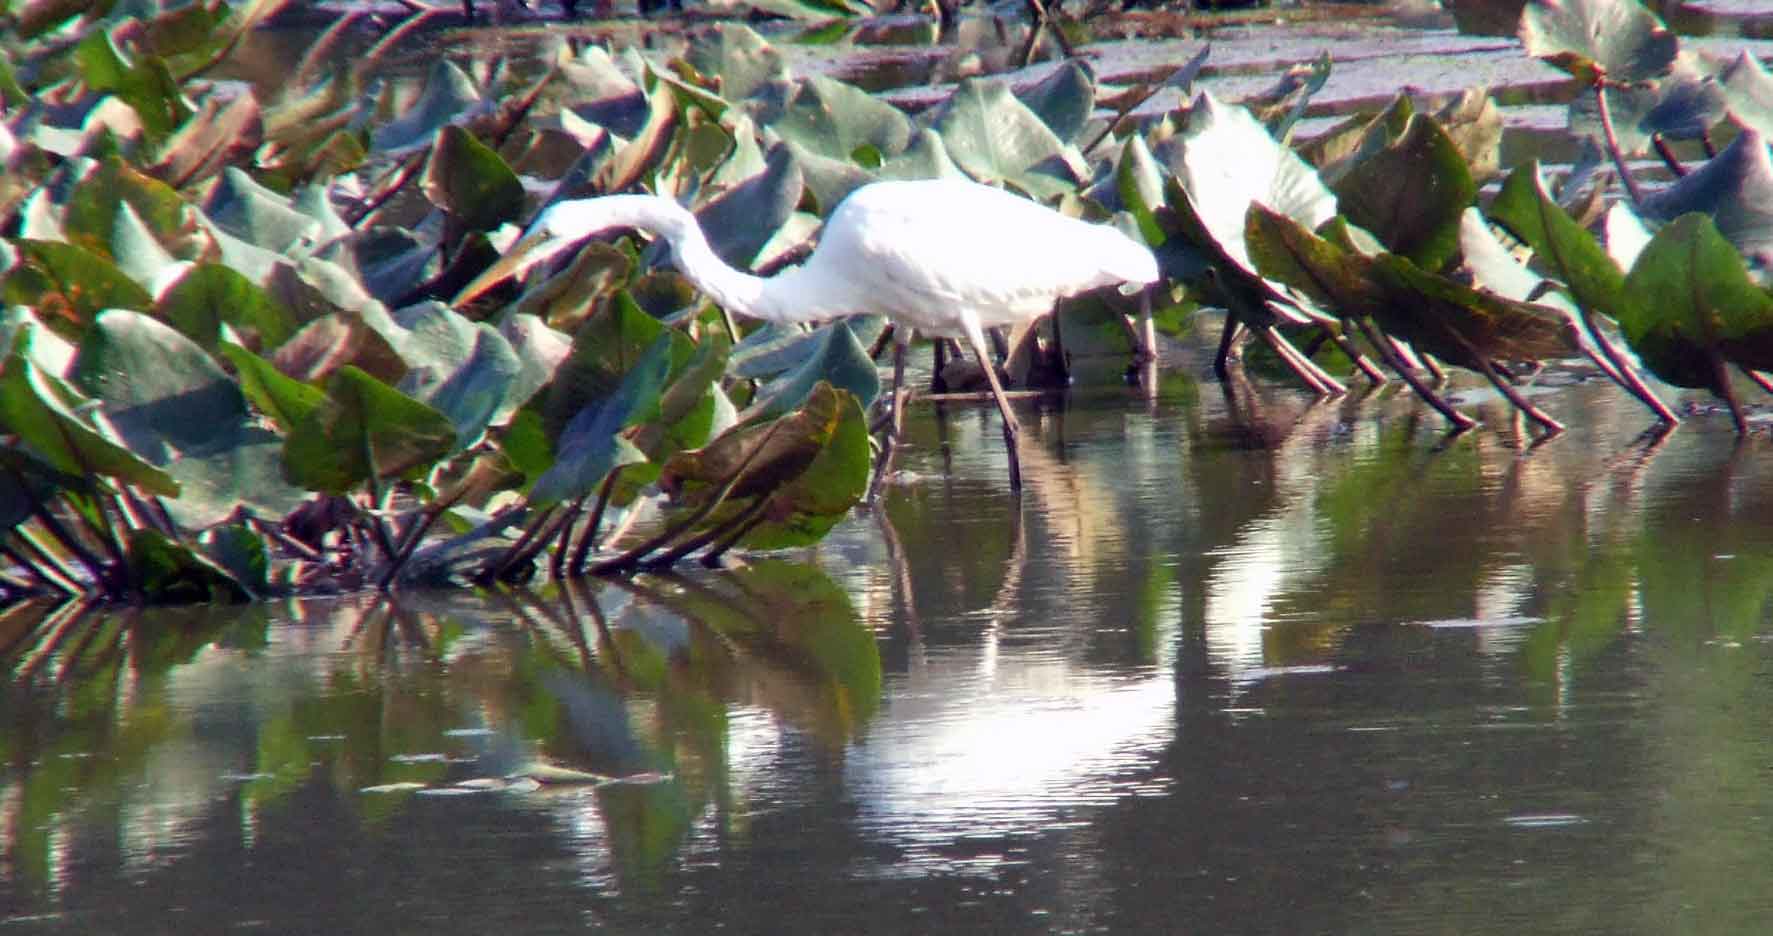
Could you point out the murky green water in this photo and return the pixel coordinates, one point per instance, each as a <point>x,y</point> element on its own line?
<point>1242,664</point>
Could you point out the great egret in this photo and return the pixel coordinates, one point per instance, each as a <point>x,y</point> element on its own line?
<point>944,257</point>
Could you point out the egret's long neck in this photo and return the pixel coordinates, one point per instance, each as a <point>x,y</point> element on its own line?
<point>790,296</point>
<point>794,296</point>
<point>735,290</point>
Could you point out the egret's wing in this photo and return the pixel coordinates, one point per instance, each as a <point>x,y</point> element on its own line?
<point>921,250</point>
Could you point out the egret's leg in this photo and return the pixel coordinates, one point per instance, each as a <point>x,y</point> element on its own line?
<point>889,446</point>
<point>1147,350</point>
<point>976,338</point>
<point>900,391</point>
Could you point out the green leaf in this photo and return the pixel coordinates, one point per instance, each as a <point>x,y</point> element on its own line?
<point>838,358</point>
<point>805,509</point>
<point>464,369</point>
<point>834,120</point>
<point>258,215</point>
<point>996,138</point>
<point>240,551</point>
<point>26,484</point>
<point>93,208</point>
<point>1411,194</point>
<point>210,296</point>
<point>365,429</point>
<point>604,350</point>
<point>467,179</point>
<point>1358,138</point>
<point>592,444</point>
<point>742,219</point>
<point>1562,247</point>
<point>1140,184</point>
<point>1696,298</point>
<point>1736,189</point>
<point>1452,321</point>
<point>225,130</point>
<point>1464,326</point>
<point>139,255</point>
<point>647,150</point>
<point>240,466</point>
<point>287,402</point>
<point>776,347</point>
<point>48,350</point>
<point>448,94</point>
<point>40,408</point>
<point>168,571</point>
<point>173,404</point>
<point>742,60</point>
<point>1282,249</point>
<point>1748,93</point>
<point>1064,99</point>
<point>160,390</point>
<point>540,351</point>
<point>811,465</point>
<point>1682,105</point>
<point>1617,39</point>
<point>68,285</point>
<point>1224,159</point>
<point>689,407</point>
<point>925,158</point>
<point>148,86</point>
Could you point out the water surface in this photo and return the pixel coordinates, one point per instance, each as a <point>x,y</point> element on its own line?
<point>1232,662</point>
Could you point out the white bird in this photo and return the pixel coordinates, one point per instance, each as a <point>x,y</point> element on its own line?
<point>945,257</point>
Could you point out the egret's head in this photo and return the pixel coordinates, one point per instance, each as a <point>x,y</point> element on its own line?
<point>544,241</point>
<point>563,226</point>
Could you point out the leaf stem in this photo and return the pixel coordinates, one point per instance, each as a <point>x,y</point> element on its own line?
<point>1612,140</point>
<point>1382,344</point>
<point>589,537</point>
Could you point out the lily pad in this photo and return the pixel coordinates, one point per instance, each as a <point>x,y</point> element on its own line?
<point>996,138</point>
<point>365,429</point>
<point>835,356</point>
<point>741,220</point>
<point>287,402</point>
<point>592,445</point>
<point>463,369</point>
<point>1694,298</point>
<point>810,467</point>
<point>41,409</point>
<point>1561,246</point>
<point>449,96</point>
<point>1225,160</point>
<point>168,571</point>
<point>836,120</point>
<point>1618,39</point>
<point>1411,194</point>
<point>1736,189</point>
<point>1748,93</point>
<point>1064,99</point>
<point>160,390</point>
<point>69,285</point>
<point>210,296</point>
<point>741,59</point>
<point>467,179</point>
<point>92,211</point>
<point>258,215</point>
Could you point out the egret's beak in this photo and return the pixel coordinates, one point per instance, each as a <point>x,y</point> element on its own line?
<point>533,248</point>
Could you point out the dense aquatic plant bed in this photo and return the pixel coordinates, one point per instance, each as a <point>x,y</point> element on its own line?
<point>237,358</point>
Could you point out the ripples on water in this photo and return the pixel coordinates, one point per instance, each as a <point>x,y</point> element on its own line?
<point>1234,662</point>
<point>1244,664</point>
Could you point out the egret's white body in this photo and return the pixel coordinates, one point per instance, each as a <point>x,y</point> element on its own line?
<point>945,257</point>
